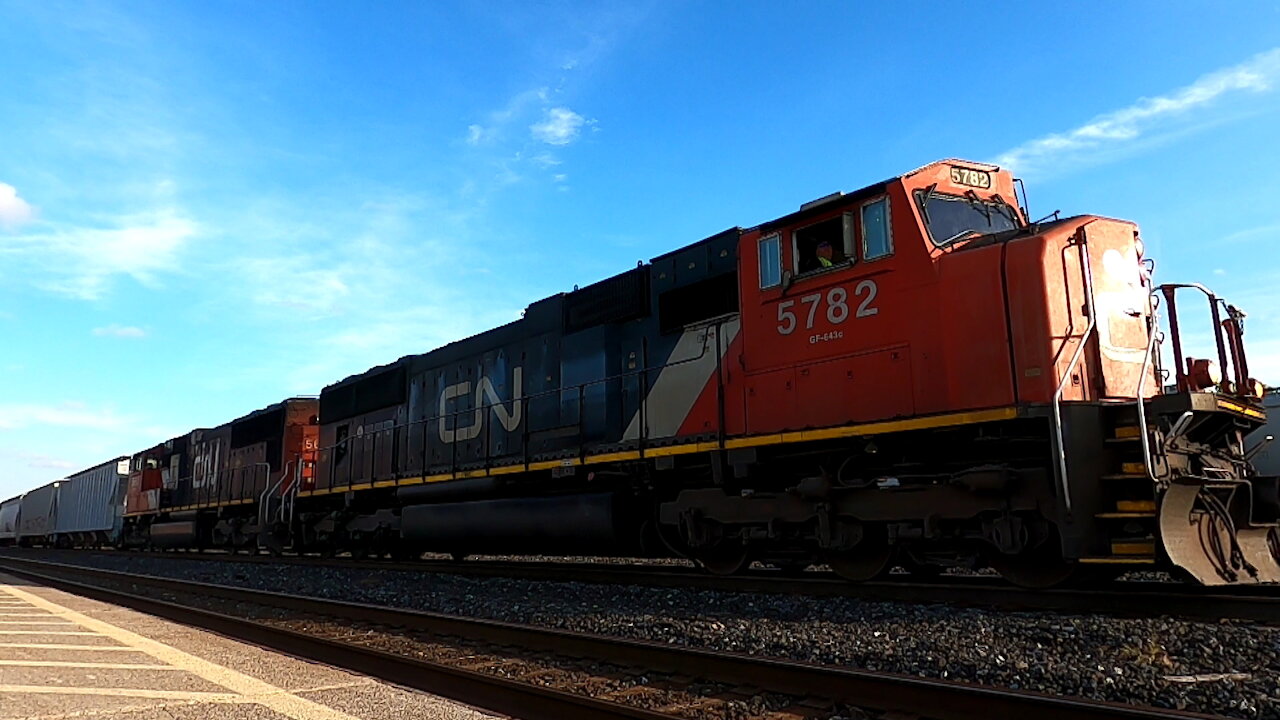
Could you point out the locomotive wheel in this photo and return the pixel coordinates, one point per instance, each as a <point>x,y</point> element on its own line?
<point>726,557</point>
<point>1035,568</point>
<point>868,560</point>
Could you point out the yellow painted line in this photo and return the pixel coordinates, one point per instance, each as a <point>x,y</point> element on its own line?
<point>1236,407</point>
<point>188,695</point>
<point>877,428</point>
<point>753,441</point>
<point>103,666</point>
<point>1135,468</point>
<point>306,493</point>
<point>671,450</point>
<point>1133,548</point>
<point>1118,561</point>
<point>55,646</point>
<point>1128,431</point>
<point>1130,506</point>
<point>35,622</point>
<point>258,691</point>
<point>613,457</point>
<point>48,632</point>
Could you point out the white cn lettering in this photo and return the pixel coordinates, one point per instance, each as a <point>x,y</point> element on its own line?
<point>486,396</point>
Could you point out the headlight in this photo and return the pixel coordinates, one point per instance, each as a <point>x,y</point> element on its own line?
<point>1203,374</point>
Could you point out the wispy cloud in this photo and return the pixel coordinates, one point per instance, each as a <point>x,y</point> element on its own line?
<point>82,261</point>
<point>1144,118</point>
<point>35,461</point>
<point>559,126</point>
<point>14,211</point>
<point>120,331</point>
<point>497,123</point>
<point>68,415</point>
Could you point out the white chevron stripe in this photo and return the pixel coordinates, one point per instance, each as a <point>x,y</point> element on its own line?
<point>693,362</point>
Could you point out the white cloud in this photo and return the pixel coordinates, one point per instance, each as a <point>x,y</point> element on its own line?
<point>300,283</point>
<point>68,414</point>
<point>120,331</point>
<point>80,261</point>
<point>559,126</point>
<point>477,134</point>
<point>1122,127</point>
<point>14,211</point>
<point>545,160</point>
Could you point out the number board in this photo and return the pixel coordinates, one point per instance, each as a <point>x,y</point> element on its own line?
<point>972,178</point>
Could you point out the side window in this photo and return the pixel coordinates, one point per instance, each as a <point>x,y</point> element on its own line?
<point>823,244</point>
<point>877,239</point>
<point>770,261</point>
<point>340,448</point>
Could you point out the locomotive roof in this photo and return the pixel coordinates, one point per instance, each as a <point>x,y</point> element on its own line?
<point>95,467</point>
<point>483,341</point>
<point>824,204</point>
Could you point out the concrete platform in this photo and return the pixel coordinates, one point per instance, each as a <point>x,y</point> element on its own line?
<point>64,657</point>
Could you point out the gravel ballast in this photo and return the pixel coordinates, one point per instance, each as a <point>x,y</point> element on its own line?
<point>1229,668</point>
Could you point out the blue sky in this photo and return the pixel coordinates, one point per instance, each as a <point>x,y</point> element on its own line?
<point>206,207</point>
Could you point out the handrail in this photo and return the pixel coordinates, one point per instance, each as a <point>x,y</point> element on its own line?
<point>1179,362</point>
<point>1154,330</point>
<point>1087,272</point>
<point>262,497</point>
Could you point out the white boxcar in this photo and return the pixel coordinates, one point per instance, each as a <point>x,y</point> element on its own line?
<point>1267,461</point>
<point>90,504</point>
<point>9,520</point>
<point>39,509</point>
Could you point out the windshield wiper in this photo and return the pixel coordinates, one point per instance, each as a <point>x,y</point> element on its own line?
<point>1006,209</point>
<point>924,201</point>
<point>976,201</point>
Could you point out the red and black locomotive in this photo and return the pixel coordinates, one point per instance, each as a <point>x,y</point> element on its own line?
<point>911,374</point>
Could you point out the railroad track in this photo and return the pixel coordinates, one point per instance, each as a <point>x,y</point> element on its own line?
<point>1127,598</point>
<point>702,681</point>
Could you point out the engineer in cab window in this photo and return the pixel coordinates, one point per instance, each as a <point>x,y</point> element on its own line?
<point>825,254</point>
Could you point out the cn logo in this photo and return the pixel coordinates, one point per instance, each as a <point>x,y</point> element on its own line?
<point>485,396</point>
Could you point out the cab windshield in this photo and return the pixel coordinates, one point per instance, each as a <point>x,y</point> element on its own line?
<point>951,217</point>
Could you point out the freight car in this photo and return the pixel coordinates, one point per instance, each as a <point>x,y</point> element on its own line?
<point>912,373</point>
<point>9,521</point>
<point>1262,445</point>
<point>89,505</point>
<point>37,516</point>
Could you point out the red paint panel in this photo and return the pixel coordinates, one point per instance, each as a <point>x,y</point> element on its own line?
<point>860,388</point>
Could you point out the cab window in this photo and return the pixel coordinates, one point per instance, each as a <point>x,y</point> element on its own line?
<point>877,240</point>
<point>770,262</point>
<point>823,244</point>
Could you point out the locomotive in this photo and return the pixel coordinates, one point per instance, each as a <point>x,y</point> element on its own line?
<point>913,374</point>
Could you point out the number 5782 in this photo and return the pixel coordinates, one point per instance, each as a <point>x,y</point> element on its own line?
<point>837,307</point>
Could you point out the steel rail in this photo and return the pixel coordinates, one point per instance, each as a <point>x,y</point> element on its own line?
<point>491,692</point>
<point>1129,599</point>
<point>940,699</point>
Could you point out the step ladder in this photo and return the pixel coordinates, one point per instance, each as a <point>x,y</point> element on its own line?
<point>1129,516</point>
